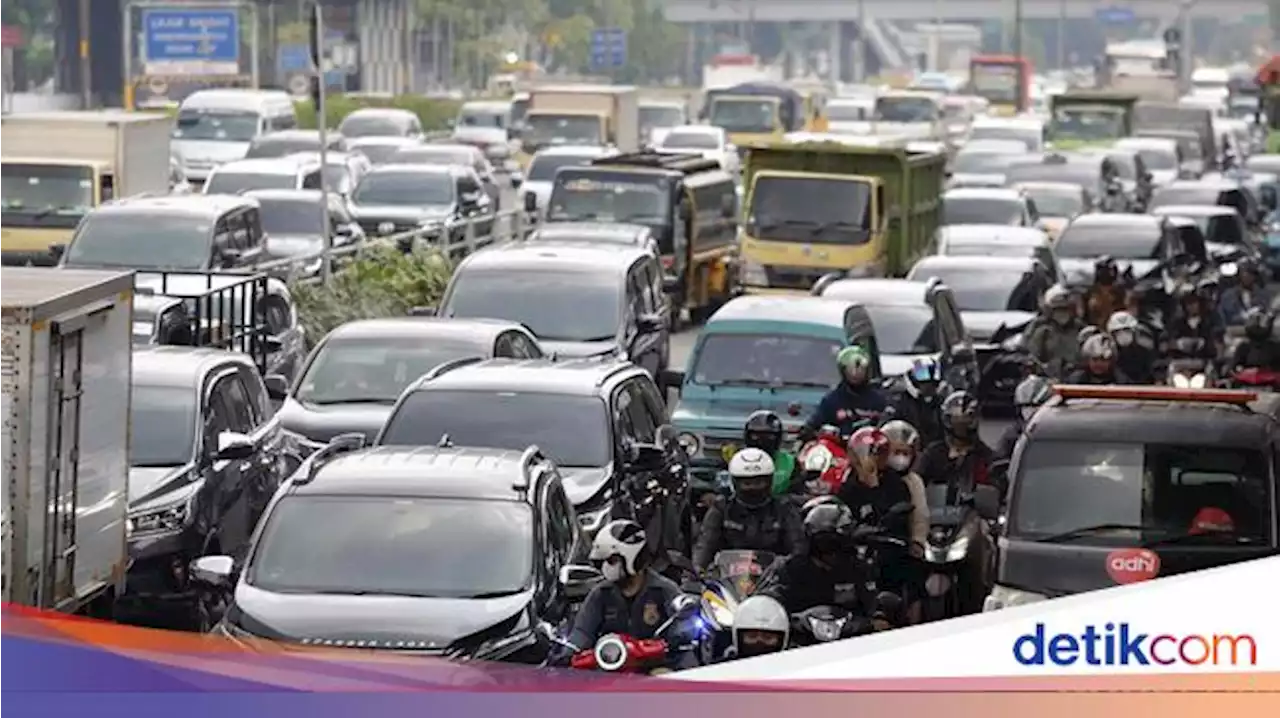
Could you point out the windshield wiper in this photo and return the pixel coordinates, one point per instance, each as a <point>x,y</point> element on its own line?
<point>770,385</point>
<point>1097,528</point>
<point>840,224</point>
<point>1189,537</point>
<point>349,400</point>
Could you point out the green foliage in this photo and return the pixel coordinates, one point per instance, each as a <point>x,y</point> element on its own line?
<point>383,282</point>
<point>434,113</point>
<point>1273,142</point>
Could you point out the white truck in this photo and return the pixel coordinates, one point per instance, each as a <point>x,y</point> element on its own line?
<point>583,115</point>
<point>67,352</point>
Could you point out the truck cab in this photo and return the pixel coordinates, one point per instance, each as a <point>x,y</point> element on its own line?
<point>1081,118</point>
<point>603,115</point>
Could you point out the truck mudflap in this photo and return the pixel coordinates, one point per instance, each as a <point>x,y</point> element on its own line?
<point>204,309</point>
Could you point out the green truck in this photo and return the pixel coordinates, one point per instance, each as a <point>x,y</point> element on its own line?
<point>812,207</point>
<point>1085,118</point>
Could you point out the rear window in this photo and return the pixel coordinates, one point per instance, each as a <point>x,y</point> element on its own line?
<point>1118,242</point>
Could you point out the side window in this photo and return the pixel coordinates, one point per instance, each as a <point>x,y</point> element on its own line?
<point>258,400</point>
<point>253,221</point>
<point>653,283</point>
<point>643,425</point>
<point>624,427</point>
<point>240,407</point>
<point>216,418</point>
<point>222,234</point>
<point>277,315</point>
<point>239,231</point>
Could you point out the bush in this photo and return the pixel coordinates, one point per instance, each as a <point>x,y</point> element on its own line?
<point>1273,142</point>
<point>383,282</point>
<point>433,113</point>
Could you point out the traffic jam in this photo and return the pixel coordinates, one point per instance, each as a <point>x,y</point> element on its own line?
<point>772,367</point>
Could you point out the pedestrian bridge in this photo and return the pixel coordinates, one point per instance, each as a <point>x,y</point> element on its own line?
<point>945,10</point>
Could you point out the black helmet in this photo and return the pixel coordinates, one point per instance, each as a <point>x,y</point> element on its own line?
<point>763,431</point>
<point>960,415</point>
<point>1105,271</point>
<point>828,526</point>
<point>1257,324</point>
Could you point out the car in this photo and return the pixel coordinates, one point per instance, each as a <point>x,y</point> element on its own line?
<point>380,149</point>
<point>294,228</point>
<point>1225,234</point>
<point>396,198</point>
<point>912,320</point>
<point>180,232</point>
<point>289,172</point>
<point>462,155</point>
<point>1263,163</point>
<point>207,454</point>
<point>992,293</point>
<point>657,117</point>
<point>987,205</point>
<point>1092,172</point>
<point>761,352</point>
<point>342,171</point>
<point>1131,172</point>
<point>588,415</point>
<point>625,235</point>
<point>1160,155</point>
<point>1221,191</point>
<point>541,174</point>
<point>287,142</point>
<point>486,125</point>
<point>1138,243</point>
<point>580,300</point>
<point>1057,203</point>
<point>1110,485</point>
<point>982,163</point>
<point>381,122</point>
<point>444,551</point>
<point>998,241</point>
<point>357,371</point>
<point>1027,130</point>
<point>706,140</point>
<point>1192,162</point>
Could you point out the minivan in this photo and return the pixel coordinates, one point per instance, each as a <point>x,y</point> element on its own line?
<point>218,125</point>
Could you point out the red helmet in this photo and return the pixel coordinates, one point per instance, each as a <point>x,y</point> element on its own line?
<point>868,441</point>
<point>1211,519</point>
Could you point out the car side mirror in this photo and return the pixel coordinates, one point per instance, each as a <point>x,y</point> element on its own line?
<point>578,580</point>
<point>212,570</point>
<point>234,446</point>
<point>277,386</point>
<point>672,378</point>
<point>530,202</point>
<point>986,500</point>
<point>57,250</point>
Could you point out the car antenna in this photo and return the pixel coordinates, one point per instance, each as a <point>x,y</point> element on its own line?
<point>445,442</point>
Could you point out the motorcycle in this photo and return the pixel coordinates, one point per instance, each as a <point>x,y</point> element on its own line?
<point>621,653</point>
<point>1188,368</point>
<point>1256,378</point>
<point>733,576</point>
<point>823,624</point>
<point>956,530</point>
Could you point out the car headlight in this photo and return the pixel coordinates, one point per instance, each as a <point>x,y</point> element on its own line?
<point>754,273</point>
<point>592,520</point>
<point>1005,597</point>
<point>691,444</point>
<point>386,227</point>
<point>166,519</point>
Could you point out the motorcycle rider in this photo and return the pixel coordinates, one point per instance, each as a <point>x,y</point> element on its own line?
<point>760,626</point>
<point>764,431</point>
<point>904,447</point>
<point>1195,321</point>
<point>1248,292</point>
<point>633,599</point>
<point>827,573</point>
<point>854,401</point>
<point>1135,357</point>
<point>1105,296</point>
<point>754,519</point>
<point>1053,343</point>
<point>1259,350</point>
<point>918,404</point>
<point>1100,363</point>
<point>961,459</point>
<point>1030,394</point>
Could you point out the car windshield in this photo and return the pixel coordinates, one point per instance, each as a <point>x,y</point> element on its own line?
<point>570,129</point>
<point>774,360</point>
<point>374,370</point>
<point>1051,202</point>
<point>408,189</point>
<point>581,195</point>
<point>216,126</point>
<point>1079,242</point>
<point>544,167</point>
<point>652,116</point>
<point>981,210</point>
<point>1087,124</point>
<point>474,117</point>
<point>378,153</point>
<point>571,428</point>
<point>744,114</point>
<point>905,109</point>
<point>162,425</point>
<point>371,126</point>
<point>1029,137</point>
<point>826,211</point>
<point>269,147</point>
<point>290,216</point>
<point>439,155</point>
<point>904,330</point>
<point>138,240</point>
<point>1191,195</point>
<point>56,189</point>
<point>982,162</point>
<point>1223,228</point>
<point>982,290</point>
<point>1064,486</point>
<point>393,545</point>
<point>555,306</point>
<point>691,141</point>
<point>232,182</point>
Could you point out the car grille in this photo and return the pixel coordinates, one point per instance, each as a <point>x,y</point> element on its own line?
<point>793,277</point>
<point>713,445</point>
<point>370,226</point>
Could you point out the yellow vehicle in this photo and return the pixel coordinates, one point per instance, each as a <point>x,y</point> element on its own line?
<point>758,111</point>
<point>689,204</point>
<point>585,114</point>
<point>813,207</point>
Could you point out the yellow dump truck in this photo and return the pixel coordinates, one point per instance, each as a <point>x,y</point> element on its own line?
<point>59,165</point>
<point>819,206</point>
<point>581,115</point>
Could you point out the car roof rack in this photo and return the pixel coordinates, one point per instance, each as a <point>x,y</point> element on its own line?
<point>1225,397</point>
<point>687,163</point>
<point>337,446</point>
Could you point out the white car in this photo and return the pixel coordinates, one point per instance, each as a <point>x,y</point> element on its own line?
<point>706,140</point>
<point>541,173</point>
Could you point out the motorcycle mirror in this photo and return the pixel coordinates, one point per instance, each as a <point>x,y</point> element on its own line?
<point>685,604</point>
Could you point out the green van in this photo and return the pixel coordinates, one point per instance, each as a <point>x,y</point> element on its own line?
<point>773,352</point>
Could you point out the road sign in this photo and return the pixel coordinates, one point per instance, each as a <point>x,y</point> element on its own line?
<point>1114,15</point>
<point>608,48</point>
<point>191,41</point>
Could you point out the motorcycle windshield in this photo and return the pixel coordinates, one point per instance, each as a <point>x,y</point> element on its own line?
<point>741,570</point>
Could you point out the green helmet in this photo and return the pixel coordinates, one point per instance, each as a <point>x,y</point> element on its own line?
<point>853,357</point>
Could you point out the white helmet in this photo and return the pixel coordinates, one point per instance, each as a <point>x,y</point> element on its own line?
<point>760,613</point>
<point>751,463</point>
<point>621,538</point>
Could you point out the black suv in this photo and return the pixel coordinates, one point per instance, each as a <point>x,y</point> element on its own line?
<point>448,551</point>
<point>1112,485</point>
<point>589,415</point>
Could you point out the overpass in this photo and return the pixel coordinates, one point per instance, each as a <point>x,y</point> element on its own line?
<point>946,10</point>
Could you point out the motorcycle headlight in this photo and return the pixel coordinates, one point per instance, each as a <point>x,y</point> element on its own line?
<point>718,613</point>
<point>753,273</point>
<point>386,227</point>
<point>826,629</point>
<point>1005,597</point>
<point>691,443</point>
<point>162,520</point>
<point>958,549</point>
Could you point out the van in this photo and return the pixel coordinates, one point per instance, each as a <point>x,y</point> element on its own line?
<point>217,126</point>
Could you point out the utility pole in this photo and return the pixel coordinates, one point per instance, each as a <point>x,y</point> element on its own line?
<point>86,63</point>
<point>1062,34</point>
<point>318,91</point>
<point>1017,28</point>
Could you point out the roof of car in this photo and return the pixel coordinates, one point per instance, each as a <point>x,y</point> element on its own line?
<point>482,331</point>
<point>1173,422</point>
<point>489,105</point>
<point>1145,143</point>
<point>295,135</point>
<point>1019,122</point>
<point>993,146</point>
<point>421,471</point>
<point>439,148</point>
<point>576,231</point>
<point>568,256</point>
<point>409,167</point>
<point>287,165</point>
<point>308,195</point>
<point>990,234</point>
<point>827,311</point>
<point>1115,219</point>
<point>332,157</point>
<point>1064,187</point>
<point>974,263</point>
<point>576,151</point>
<point>396,112</point>
<point>1008,193</point>
<point>175,366</point>
<point>578,377</point>
<point>879,292</point>
<point>1193,210</point>
<point>384,140</point>
<point>209,206</point>
<point>1212,183</point>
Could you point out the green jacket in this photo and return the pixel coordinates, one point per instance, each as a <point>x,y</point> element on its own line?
<point>784,468</point>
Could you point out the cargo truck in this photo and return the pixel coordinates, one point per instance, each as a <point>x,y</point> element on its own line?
<point>605,115</point>
<point>59,165</point>
<point>67,367</point>
<point>1083,118</point>
<point>865,209</point>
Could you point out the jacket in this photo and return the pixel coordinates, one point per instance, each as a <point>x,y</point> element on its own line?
<point>848,409</point>
<point>923,415</point>
<point>731,525</point>
<point>1101,302</point>
<point>1084,376</point>
<point>607,610</point>
<point>1138,363</point>
<point>1056,346</point>
<point>1233,303</point>
<point>799,583</point>
<point>936,465</point>
<point>870,504</point>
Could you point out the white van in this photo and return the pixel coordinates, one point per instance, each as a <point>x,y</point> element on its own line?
<point>216,126</point>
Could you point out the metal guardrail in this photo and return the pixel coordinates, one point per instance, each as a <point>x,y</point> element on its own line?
<point>453,239</point>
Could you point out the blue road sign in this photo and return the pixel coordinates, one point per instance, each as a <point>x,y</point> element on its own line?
<point>1114,15</point>
<point>194,41</point>
<point>295,61</point>
<point>608,48</point>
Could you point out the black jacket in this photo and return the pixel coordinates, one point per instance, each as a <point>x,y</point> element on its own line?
<point>935,466</point>
<point>1256,355</point>
<point>798,583</point>
<point>606,610</point>
<point>1084,376</point>
<point>1137,363</point>
<point>845,408</point>
<point>923,415</point>
<point>871,504</point>
<point>731,525</point>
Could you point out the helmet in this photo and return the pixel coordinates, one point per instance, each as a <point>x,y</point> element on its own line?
<point>828,516</point>
<point>960,415</point>
<point>1030,394</point>
<point>924,378</point>
<point>901,432</point>
<point>752,472</point>
<point>760,614</point>
<point>853,357</point>
<point>1104,270</point>
<point>1087,333</point>
<point>1124,328</point>
<point>1058,297</point>
<point>1098,346</point>
<point>1207,289</point>
<point>763,431</point>
<point>620,542</point>
<point>1257,324</point>
<point>868,441</point>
